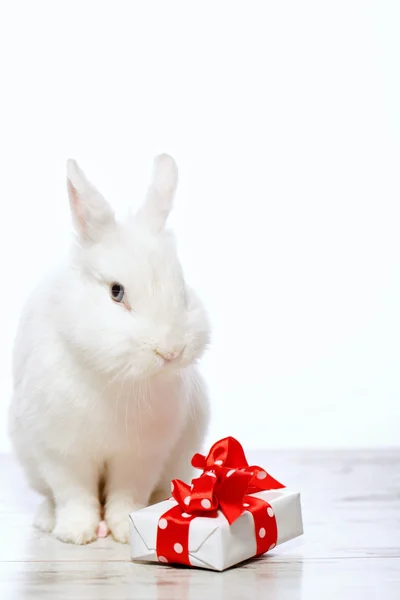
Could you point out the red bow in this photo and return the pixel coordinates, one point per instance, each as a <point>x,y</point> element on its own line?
<point>225,485</point>
<point>226,480</point>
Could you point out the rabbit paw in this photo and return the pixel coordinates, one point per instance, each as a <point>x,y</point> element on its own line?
<point>120,530</point>
<point>76,525</point>
<point>45,516</point>
<point>102,530</point>
<point>118,522</point>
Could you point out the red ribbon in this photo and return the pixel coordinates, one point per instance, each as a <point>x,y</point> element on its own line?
<point>225,485</point>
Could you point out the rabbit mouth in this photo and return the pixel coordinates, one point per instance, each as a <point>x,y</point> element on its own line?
<point>169,357</point>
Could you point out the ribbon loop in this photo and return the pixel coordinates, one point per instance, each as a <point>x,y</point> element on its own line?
<point>226,480</point>
<point>228,452</point>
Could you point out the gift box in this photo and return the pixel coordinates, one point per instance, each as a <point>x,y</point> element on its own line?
<point>232,512</point>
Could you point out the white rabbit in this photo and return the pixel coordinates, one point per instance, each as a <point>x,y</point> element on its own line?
<point>108,403</point>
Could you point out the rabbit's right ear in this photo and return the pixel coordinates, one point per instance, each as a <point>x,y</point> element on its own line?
<point>92,215</point>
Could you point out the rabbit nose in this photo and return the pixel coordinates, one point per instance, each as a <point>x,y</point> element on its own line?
<point>168,355</point>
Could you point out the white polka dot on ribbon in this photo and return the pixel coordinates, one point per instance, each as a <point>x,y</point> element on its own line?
<point>178,548</point>
<point>210,474</point>
<point>246,505</point>
<point>163,523</point>
<point>262,532</point>
<point>271,547</point>
<point>162,559</point>
<point>185,515</point>
<point>206,503</point>
<point>270,511</point>
<point>231,472</point>
<point>187,500</point>
<point>261,475</point>
<point>219,462</point>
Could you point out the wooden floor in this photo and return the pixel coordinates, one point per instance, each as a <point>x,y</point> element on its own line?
<point>350,550</point>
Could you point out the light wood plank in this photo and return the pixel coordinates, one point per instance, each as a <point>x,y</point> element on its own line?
<point>351,546</point>
<point>325,579</point>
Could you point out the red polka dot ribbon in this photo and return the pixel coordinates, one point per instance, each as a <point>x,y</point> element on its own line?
<point>225,485</point>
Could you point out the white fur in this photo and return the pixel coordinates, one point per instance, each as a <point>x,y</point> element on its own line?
<point>94,399</point>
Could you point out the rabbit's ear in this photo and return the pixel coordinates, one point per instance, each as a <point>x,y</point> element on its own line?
<point>161,192</point>
<point>92,215</point>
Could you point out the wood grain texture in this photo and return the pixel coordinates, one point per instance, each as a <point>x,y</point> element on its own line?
<point>351,546</point>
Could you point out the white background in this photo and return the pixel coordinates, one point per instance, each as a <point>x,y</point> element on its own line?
<point>284,118</point>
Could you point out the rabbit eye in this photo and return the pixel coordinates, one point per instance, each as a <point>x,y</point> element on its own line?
<point>117,292</point>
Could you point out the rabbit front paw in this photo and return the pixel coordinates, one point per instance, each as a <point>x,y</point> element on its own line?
<point>120,530</point>
<point>118,522</point>
<point>76,525</point>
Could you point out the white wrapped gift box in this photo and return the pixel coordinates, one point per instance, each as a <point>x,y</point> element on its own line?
<point>213,543</point>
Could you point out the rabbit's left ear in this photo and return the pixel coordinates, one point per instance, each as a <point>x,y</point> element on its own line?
<point>160,194</point>
<point>91,213</point>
